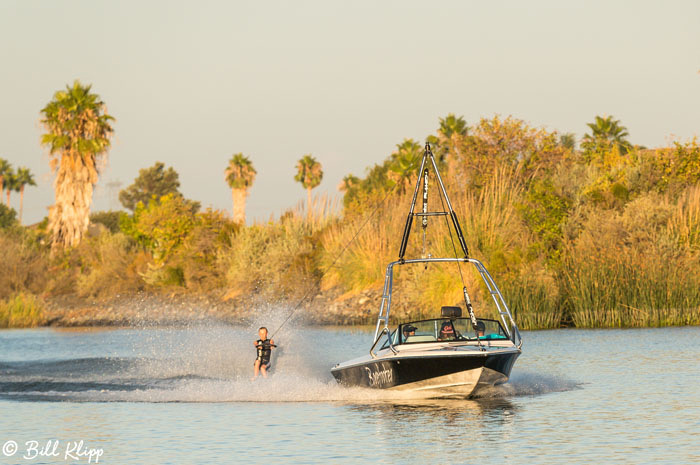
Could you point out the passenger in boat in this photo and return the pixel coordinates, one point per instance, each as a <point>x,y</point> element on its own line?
<point>480,329</point>
<point>264,349</point>
<point>408,331</point>
<point>447,332</point>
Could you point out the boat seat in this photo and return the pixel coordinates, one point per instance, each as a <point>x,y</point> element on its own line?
<point>426,338</point>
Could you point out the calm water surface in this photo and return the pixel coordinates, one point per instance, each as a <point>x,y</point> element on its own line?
<point>183,396</point>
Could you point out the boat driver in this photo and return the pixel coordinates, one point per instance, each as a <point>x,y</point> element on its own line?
<point>408,331</point>
<point>447,332</point>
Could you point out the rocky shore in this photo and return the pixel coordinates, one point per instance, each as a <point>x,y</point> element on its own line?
<point>324,308</point>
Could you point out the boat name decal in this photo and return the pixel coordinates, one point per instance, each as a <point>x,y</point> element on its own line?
<point>380,377</point>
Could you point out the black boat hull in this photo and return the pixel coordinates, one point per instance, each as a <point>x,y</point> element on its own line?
<point>448,375</point>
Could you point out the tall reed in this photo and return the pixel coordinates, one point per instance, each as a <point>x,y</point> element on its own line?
<point>684,224</point>
<point>629,289</point>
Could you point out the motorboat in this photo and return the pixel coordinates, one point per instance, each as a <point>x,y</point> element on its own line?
<point>448,356</point>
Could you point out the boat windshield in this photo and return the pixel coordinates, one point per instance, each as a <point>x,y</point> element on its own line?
<point>449,329</point>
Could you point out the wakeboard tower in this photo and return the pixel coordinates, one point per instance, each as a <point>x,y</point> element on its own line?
<point>450,356</point>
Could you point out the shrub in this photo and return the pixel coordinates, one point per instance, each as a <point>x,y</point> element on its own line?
<point>680,166</point>
<point>197,258</point>
<point>22,310</point>
<point>275,260</point>
<point>25,263</point>
<point>8,216</point>
<point>109,219</point>
<point>161,226</point>
<point>107,266</point>
<point>544,211</point>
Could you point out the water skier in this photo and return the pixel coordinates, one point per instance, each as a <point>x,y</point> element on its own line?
<point>264,349</point>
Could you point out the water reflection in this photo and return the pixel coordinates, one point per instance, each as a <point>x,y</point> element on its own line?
<point>432,431</point>
<point>443,413</point>
<point>443,408</point>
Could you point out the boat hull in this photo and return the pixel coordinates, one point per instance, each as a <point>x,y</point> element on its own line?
<point>433,375</point>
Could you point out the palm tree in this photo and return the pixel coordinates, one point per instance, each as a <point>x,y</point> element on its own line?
<point>449,135</point>
<point>240,175</point>
<point>309,174</point>
<point>452,126</point>
<point>24,178</point>
<point>10,185</point>
<point>452,129</point>
<point>606,133</point>
<point>5,169</point>
<point>568,140</point>
<point>405,162</point>
<point>78,136</point>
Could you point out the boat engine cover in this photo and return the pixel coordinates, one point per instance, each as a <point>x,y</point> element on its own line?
<point>451,312</point>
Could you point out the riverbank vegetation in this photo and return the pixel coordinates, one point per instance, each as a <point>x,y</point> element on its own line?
<point>605,234</point>
<point>21,311</point>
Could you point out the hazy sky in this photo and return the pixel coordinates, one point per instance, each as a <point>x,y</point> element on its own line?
<point>191,83</point>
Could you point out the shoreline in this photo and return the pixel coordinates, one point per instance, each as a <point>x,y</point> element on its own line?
<point>158,310</point>
<point>143,310</point>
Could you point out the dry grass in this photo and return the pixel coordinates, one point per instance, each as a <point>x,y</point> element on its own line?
<point>362,263</point>
<point>325,209</point>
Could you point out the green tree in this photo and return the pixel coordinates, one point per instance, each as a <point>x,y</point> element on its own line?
<point>405,163</point>
<point>348,183</point>
<point>24,178</point>
<point>606,133</point>
<point>240,175</point>
<point>155,181</point>
<point>5,169</point>
<point>78,133</point>
<point>508,143</point>
<point>161,225</point>
<point>309,174</point>
<point>544,211</point>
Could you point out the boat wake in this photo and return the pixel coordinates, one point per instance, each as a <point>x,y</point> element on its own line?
<point>523,383</point>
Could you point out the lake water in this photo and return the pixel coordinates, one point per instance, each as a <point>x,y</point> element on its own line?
<point>183,396</point>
